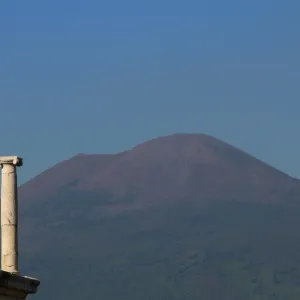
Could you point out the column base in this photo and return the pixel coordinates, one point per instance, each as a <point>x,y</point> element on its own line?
<point>16,287</point>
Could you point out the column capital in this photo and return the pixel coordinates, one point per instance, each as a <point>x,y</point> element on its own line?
<point>11,160</point>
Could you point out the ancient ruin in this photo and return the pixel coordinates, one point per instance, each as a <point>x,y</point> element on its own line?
<point>13,286</point>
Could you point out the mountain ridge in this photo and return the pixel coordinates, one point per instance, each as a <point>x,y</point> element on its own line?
<point>182,217</point>
<point>169,167</point>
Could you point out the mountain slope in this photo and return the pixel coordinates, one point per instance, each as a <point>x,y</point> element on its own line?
<point>172,167</point>
<point>212,222</point>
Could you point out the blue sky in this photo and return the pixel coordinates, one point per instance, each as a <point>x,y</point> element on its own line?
<point>103,76</point>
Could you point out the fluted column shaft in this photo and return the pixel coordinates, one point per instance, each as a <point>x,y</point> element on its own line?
<point>9,219</point>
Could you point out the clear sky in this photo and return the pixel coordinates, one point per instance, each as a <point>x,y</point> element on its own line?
<point>103,76</point>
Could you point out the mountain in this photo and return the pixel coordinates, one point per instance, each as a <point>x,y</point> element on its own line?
<point>168,168</point>
<point>184,217</point>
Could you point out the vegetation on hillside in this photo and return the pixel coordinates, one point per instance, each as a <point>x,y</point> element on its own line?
<point>177,251</point>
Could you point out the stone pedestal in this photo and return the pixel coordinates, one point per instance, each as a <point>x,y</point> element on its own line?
<point>13,286</point>
<point>16,287</point>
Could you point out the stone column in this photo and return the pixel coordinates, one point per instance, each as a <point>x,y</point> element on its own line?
<point>9,213</point>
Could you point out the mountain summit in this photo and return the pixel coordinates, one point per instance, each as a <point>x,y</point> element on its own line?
<point>179,166</point>
<point>182,217</point>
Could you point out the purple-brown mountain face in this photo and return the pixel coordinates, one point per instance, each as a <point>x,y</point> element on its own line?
<point>180,166</point>
<point>182,217</point>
